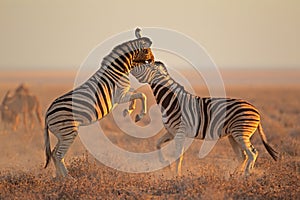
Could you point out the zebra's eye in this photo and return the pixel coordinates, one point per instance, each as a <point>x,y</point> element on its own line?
<point>148,61</point>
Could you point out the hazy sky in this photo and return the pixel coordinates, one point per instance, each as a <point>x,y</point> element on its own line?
<point>60,34</point>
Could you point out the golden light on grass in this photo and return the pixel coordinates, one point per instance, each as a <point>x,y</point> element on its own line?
<point>22,153</point>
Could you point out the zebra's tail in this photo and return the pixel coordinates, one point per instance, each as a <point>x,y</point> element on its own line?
<point>271,151</point>
<point>47,145</point>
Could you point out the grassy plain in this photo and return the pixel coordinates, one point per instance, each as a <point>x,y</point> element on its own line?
<point>22,156</point>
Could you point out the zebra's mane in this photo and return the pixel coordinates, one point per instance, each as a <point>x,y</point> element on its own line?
<point>168,77</point>
<point>137,44</point>
<point>119,52</point>
<point>128,47</point>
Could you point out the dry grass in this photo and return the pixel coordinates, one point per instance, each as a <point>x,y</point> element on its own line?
<point>22,175</point>
<point>95,181</point>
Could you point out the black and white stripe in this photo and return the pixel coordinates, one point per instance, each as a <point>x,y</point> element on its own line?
<point>95,98</point>
<point>187,115</point>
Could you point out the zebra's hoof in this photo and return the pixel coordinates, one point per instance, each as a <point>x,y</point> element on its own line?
<point>125,112</point>
<point>137,118</point>
<point>67,178</point>
<point>165,162</point>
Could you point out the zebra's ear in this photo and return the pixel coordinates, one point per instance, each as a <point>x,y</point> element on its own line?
<point>144,42</point>
<point>138,33</point>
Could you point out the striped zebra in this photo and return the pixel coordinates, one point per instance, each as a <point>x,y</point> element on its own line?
<point>95,98</point>
<point>187,115</point>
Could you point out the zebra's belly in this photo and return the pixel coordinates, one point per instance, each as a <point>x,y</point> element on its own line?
<point>93,118</point>
<point>64,119</point>
<point>211,134</point>
<point>189,130</point>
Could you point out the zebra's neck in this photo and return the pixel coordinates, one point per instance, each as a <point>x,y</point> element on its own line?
<point>110,71</point>
<point>118,70</point>
<point>114,68</point>
<point>167,83</point>
<point>117,63</point>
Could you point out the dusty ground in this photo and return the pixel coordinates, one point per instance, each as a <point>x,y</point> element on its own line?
<point>22,158</point>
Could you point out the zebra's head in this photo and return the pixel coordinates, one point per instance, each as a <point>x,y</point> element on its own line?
<point>146,73</point>
<point>130,54</point>
<point>145,54</point>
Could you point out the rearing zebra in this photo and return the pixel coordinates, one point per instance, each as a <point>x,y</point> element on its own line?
<point>95,98</point>
<point>187,115</point>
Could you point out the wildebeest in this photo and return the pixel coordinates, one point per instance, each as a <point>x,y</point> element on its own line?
<point>9,118</point>
<point>20,104</point>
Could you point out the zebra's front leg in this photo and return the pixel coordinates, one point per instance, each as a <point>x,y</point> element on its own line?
<point>131,107</point>
<point>143,99</point>
<point>179,149</point>
<point>165,138</point>
<point>132,98</point>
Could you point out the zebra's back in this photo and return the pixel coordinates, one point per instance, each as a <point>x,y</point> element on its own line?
<point>86,104</point>
<point>223,116</point>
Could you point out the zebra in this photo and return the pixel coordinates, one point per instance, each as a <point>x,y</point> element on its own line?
<point>95,98</point>
<point>186,115</point>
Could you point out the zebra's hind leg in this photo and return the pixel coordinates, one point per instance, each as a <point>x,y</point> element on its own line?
<point>254,154</point>
<point>236,148</point>
<point>61,170</point>
<point>239,153</point>
<point>250,154</point>
<point>64,142</point>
